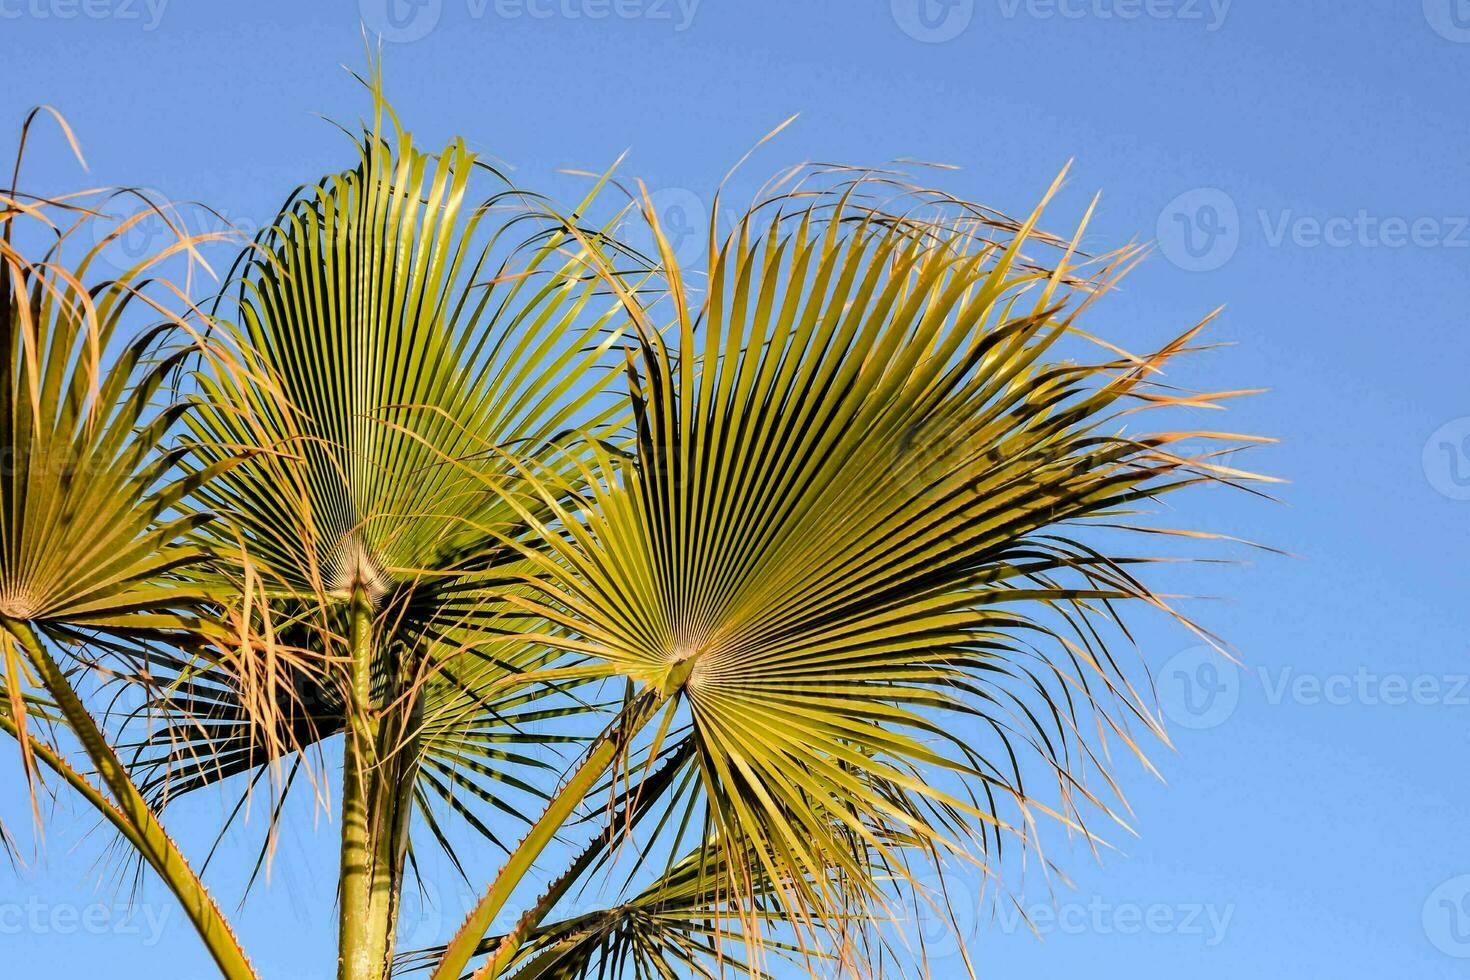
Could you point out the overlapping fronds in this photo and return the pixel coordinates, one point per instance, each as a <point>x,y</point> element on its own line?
<point>90,525</point>
<point>401,333</point>
<point>90,528</point>
<point>687,923</point>
<point>93,531</point>
<point>853,537</point>
<point>847,522</point>
<point>410,333</point>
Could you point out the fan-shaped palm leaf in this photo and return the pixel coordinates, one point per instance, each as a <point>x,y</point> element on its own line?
<point>852,541</point>
<point>90,528</point>
<point>401,334</point>
<point>850,550</point>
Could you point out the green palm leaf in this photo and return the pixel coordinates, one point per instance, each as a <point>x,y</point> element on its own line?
<point>92,536</point>
<point>854,540</point>
<point>826,595</point>
<point>406,338</point>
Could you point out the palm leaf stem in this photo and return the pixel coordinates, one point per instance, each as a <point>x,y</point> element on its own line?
<point>603,754</point>
<point>145,832</point>
<point>99,801</point>
<point>503,956</point>
<point>377,797</point>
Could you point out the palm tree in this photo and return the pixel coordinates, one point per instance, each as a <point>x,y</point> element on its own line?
<point>808,557</point>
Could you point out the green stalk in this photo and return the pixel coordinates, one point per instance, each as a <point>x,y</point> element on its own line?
<point>147,834</point>
<point>78,782</point>
<point>378,774</point>
<point>504,955</point>
<point>603,754</point>
<point>356,957</point>
<point>510,945</point>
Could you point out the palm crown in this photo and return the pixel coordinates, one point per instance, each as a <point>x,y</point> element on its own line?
<point>809,554</point>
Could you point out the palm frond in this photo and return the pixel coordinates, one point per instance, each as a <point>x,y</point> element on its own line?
<point>859,538</point>
<point>401,329</point>
<point>92,535</point>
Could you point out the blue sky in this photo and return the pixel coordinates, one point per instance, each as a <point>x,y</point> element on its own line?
<point>1301,163</point>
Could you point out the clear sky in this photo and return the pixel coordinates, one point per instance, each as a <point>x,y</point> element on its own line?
<point>1303,163</point>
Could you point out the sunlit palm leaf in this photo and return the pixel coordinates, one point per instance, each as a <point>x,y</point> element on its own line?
<point>406,337</point>
<point>688,923</point>
<point>91,528</point>
<point>853,539</point>
<point>399,330</point>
